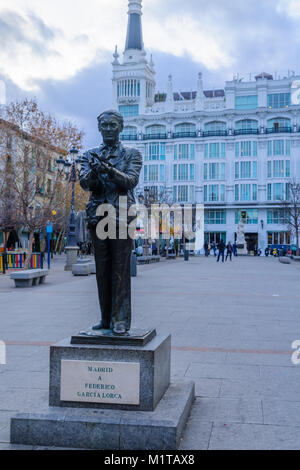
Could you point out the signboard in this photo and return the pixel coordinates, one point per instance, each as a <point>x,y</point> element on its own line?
<point>100,382</point>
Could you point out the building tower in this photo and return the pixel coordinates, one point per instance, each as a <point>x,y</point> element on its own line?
<point>134,79</point>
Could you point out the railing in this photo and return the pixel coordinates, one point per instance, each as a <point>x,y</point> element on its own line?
<point>178,135</point>
<point>155,136</point>
<point>129,137</point>
<point>224,133</point>
<point>278,130</point>
<point>17,261</point>
<point>245,131</point>
<point>215,133</point>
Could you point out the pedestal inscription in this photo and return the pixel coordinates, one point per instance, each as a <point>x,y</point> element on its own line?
<point>100,382</point>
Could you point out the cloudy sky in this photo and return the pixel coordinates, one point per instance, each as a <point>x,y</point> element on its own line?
<point>60,51</point>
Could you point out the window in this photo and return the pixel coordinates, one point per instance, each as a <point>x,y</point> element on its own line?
<point>184,152</point>
<point>129,133</point>
<point>153,173</point>
<point>279,100</point>
<point>278,191</point>
<point>245,192</point>
<point>246,126</point>
<point>279,238</point>
<point>246,149</point>
<point>279,125</point>
<point>214,193</point>
<point>129,110</point>
<point>215,150</point>
<point>251,216</point>
<point>185,130</point>
<point>155,151</point>
<point>246,102</point>
<point>217,217</point>
<point>182,193</point>
<point>146,173</point>
<point>157,132</point>
<point>162,173</point>
<point>245,170</point>
<point>192,172</point>
<point>215,127</point>
<point>276,216</point>
<point>279,147</point>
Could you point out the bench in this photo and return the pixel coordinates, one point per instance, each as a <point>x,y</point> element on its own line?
<point>155,259</point>
<point>171,256</point>
<point>29,278</point>
<point>143,259</point>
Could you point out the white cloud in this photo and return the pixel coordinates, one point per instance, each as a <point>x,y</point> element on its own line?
<point>290,7</point>
<point>84,31</point>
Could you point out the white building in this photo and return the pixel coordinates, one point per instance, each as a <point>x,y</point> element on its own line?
<point>233,149</point>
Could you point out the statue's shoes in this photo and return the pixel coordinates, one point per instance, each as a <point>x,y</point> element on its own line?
<point>119,329</point>
<point>100,326</point>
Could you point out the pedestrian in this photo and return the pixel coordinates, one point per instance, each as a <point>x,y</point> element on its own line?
<point>206,249</point>
<point>214,248</point>
<point>234,249</point>
<point>229,251</point>
<point>221,248</point>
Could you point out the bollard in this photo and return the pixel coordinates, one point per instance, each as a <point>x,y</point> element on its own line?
<point>133,269</point>
<point>186,255</point>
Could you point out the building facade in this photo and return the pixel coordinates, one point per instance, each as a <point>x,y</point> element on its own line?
<point>43,156</point>
<point>234,149</point>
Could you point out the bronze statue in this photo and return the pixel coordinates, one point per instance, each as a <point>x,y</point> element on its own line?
<point>108,172</point>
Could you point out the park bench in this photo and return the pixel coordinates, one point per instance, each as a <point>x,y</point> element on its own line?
<point>155,259</point>
<point>171,255</point>
<point>143,259</point>
<point>31,277</point>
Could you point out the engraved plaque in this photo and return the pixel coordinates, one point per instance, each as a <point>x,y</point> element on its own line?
<point>100,382</point>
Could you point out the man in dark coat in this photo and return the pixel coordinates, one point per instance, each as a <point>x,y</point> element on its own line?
<point>109,172</point>
<point>221,248</point>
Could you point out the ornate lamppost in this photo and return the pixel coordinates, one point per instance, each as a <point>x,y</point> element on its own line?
<point>71,167</point>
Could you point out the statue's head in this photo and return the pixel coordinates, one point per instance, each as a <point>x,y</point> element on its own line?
<point>110,124</point>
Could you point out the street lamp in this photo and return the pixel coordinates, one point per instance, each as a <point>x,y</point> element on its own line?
<point>71,166</point>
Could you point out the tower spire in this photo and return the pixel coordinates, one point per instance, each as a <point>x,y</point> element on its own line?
<point>134,39</point>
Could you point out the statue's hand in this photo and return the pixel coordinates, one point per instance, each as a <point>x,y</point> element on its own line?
<point>107,168</point>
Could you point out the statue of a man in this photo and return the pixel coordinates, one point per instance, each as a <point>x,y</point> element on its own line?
<point>108,172</point>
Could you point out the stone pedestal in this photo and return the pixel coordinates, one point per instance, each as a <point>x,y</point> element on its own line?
<point>71,252</point>
<point>109,371</point>
<point>113,396</point>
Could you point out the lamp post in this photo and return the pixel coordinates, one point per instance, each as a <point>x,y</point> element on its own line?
<point>70,167</point>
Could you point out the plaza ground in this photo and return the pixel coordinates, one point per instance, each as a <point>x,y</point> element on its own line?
<point>232,327</point>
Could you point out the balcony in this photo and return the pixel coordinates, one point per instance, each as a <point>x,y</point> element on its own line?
<point>179,135</point>
<point>155,136</point>
<point>216,133</point>
<point>246,131</point>
<point>278,130</point>
<point>129,137</point>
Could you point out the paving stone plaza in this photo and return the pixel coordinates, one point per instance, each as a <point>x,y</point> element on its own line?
<point>232,327</point>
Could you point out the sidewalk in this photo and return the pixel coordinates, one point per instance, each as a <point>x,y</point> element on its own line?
<point>232,327</point>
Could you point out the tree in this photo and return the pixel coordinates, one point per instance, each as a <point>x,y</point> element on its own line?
<point>291,207</point>
<point>40,194</point>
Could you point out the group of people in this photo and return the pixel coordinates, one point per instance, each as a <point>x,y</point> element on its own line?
<point>218,250</point>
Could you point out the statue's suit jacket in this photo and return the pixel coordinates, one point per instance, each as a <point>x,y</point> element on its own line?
<point>107,189</point>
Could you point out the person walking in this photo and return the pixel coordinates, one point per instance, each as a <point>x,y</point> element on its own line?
<point>214,248</point>
<point>206,249</point>
<point>234,249</point>
<point>229,251</point>
<point>221,248</point>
